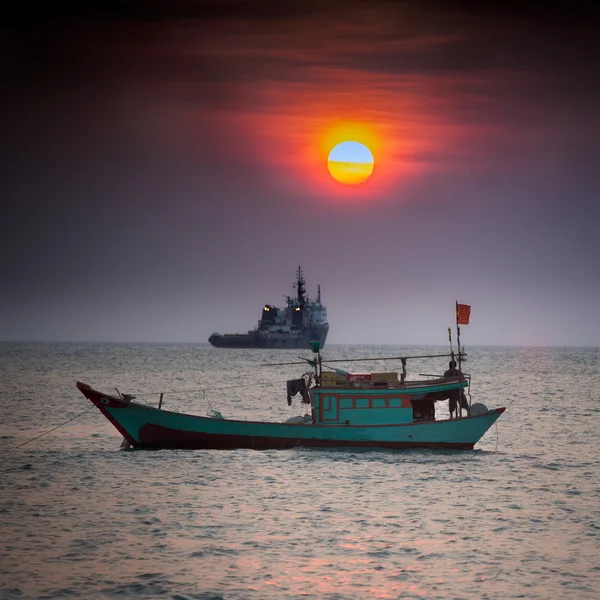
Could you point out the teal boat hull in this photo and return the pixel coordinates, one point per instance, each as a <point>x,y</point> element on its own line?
<point>152,428</point>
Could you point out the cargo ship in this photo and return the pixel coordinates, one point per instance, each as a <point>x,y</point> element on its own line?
<point>300,322</point>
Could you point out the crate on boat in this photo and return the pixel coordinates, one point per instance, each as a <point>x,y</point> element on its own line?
<point>359,377</point>
<point>332,378</point>
<point>387,377</point>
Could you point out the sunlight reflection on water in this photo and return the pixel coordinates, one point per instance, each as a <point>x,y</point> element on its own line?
<point>78,517</point>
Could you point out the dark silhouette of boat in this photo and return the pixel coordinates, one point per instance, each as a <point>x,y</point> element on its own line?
<point>296,325</point>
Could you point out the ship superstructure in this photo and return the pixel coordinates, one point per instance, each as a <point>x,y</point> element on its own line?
<point>301,321</point>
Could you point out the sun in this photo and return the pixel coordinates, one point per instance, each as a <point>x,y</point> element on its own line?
<point>350,163</point>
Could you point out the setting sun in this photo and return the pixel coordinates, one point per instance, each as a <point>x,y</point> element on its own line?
<point>350,163</point>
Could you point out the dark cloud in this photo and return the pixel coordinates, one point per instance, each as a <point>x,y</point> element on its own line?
<point>101,44</point>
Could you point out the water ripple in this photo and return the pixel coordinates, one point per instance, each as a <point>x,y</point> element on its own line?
<point>81,519</point>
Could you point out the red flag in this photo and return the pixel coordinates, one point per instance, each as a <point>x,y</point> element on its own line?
<point>463,312</point>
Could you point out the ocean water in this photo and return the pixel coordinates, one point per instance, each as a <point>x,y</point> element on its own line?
<point>518,517</point>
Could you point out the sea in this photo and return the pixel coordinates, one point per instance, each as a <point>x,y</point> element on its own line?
<point>518,517</point>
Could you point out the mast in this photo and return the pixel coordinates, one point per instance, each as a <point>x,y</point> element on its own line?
<point>458,337</point>
<point>300,285</point>
<point>319,293</point>
<point>463,314</point>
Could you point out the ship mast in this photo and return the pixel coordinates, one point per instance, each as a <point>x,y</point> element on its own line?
<point>301,292</point>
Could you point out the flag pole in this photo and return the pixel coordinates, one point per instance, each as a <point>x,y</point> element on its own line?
<point>458,337</point>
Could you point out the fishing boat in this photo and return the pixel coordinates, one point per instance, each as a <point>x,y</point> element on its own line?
<point>342,410</point>
<point>302,320</point>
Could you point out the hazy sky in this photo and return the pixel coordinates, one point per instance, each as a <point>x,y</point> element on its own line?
<point>165,169</point>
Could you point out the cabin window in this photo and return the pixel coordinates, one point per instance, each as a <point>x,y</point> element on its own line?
<point>346,403</point>
<point>395,402</point>
<point>362,402</point>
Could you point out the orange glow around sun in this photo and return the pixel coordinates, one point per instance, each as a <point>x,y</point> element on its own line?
<point>350,163</point>
<point>303,143</point>
<point>352,154</point>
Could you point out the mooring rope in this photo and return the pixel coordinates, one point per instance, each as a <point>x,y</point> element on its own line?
<point>215,414</point>
<point>61,425</point>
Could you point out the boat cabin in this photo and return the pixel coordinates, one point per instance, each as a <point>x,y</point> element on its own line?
<point>378,398</point>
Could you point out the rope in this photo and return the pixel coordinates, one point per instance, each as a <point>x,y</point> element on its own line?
<point>61,425</point>
<point>212,413</point>
<point>227,387</point>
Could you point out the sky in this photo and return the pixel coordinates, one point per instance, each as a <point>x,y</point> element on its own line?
<point>165,169</point>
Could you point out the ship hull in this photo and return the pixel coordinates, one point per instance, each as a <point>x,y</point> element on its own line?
<point>258,340</point>
<point>150,428</point>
